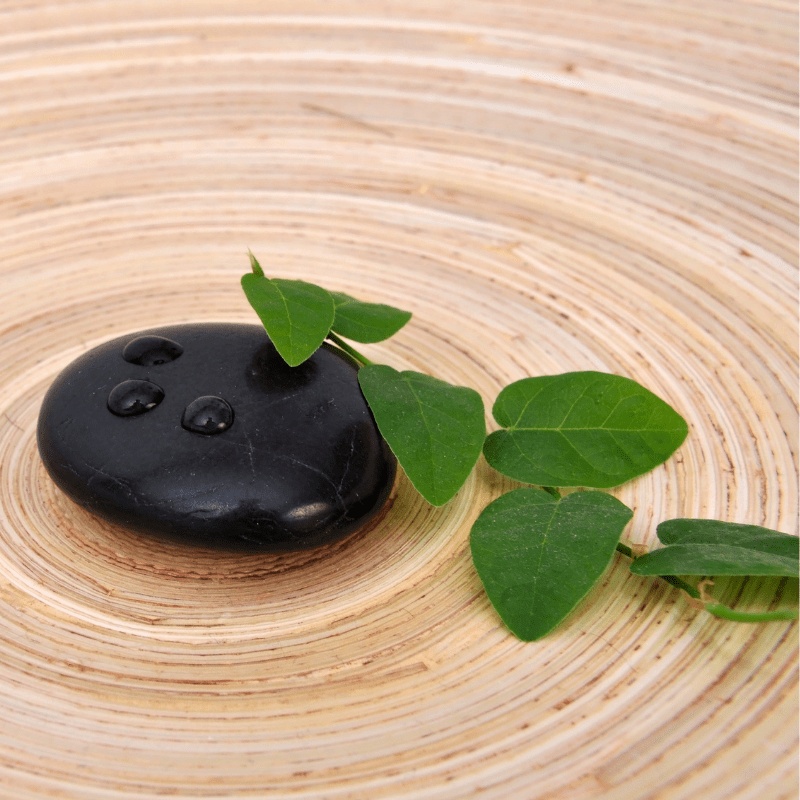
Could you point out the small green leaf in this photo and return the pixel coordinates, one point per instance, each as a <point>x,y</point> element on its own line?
<point>712,547</point>
<point>435,429</point>
<point>538,556</point>
<point>297,315</point>
<point>366,322</point>
<point>581,429</point>
<point>714,531</point>
<point>711,559</point>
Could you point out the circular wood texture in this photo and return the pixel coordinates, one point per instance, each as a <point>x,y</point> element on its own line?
<point>549,187</point>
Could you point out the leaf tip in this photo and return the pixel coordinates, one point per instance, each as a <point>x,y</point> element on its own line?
<point>254,265</point>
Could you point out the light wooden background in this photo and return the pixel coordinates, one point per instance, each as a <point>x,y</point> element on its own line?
<point>548,186</point>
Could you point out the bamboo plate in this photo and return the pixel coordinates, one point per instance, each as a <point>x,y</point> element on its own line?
<point>548,188</point>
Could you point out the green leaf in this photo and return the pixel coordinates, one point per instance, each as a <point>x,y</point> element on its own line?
<point>297,315</point>
<point>713,531</point>
<point>712,547</point>
<point>366,322</point>
<point>538,556</point>
<point>581,429</point>
<point>711,559</point>
<point>435,429</point>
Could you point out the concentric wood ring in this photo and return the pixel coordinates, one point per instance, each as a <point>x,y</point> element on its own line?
<point>603,186</point>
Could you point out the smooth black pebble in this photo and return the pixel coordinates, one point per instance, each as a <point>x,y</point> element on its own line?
<point>203,434</point>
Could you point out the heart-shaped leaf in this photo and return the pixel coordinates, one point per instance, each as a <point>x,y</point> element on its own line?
<point>435,429</point>
<point>296,315</point>
<point>581,429</point>
<point>366,322</point>
<point>538,555</point>
<point>712,547</point>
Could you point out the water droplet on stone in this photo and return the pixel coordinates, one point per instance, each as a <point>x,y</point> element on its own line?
<point>134,397</point>
<point>208,415</point>
<point>150,351</point>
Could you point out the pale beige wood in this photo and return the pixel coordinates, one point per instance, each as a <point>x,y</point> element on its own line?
<point>548,187</point>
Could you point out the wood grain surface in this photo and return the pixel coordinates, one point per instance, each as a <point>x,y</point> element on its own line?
<point>548,186</point>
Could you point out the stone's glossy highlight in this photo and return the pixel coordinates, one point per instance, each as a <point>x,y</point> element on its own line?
<point>207,415</point>
<point>134,397</point>
<point>149,351</point>
<point>302,464</point>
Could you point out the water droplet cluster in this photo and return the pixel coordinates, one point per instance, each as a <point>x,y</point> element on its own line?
<point>208,415</point>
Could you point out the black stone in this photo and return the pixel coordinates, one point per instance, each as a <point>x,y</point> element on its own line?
<point>231,448</point>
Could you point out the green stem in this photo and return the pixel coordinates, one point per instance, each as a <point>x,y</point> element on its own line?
<point>363,360</point>
<point>674,580</point>
<point>718,610</point>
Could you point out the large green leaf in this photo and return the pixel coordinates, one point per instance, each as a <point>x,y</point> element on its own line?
<point>712,547</point>
<point>581,429</point>
<point>538,555</point>
<point>366,322</point>
<point>297,315</point>
<point>435,429</point>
